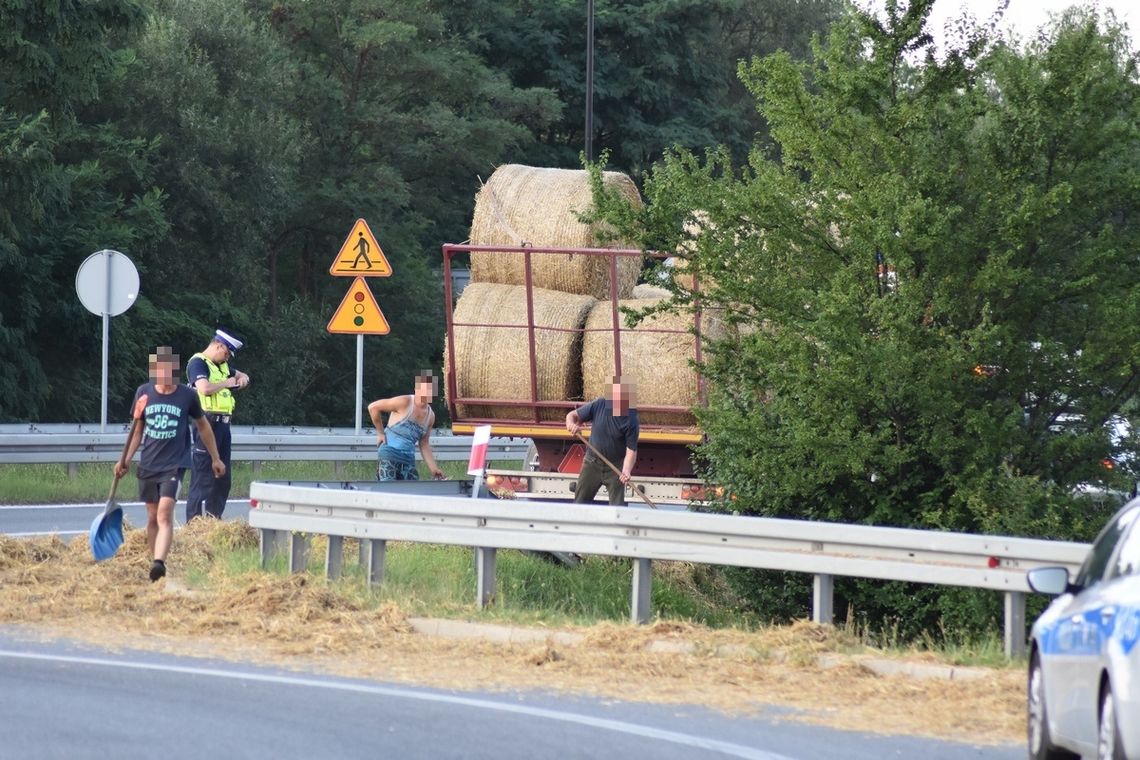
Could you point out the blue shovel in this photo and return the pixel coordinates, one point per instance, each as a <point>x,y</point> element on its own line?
<point>106,534</point>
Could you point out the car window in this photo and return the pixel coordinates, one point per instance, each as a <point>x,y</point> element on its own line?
<point>1128,560</point>
<point>1096,563</point>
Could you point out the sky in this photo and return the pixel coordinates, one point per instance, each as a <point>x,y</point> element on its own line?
<point>1025,16</point>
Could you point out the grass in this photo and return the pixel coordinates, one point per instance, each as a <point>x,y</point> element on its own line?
<point>51,483</point>
<point>439,581</point>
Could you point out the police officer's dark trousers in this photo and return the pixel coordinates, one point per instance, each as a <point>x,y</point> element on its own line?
<point>206,491</point>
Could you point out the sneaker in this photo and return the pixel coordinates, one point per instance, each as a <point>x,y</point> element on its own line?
<point>157,570</point>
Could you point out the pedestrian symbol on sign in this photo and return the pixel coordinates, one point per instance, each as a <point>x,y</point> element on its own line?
<point>362,247</point>
<point>360,255</point>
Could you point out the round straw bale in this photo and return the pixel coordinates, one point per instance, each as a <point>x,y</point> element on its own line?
<point>494,362</point>
<point>644,290</point>
<point>656,363</point>
<point>541,207</point>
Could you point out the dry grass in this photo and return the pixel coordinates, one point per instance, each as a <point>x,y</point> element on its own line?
<point>298,621</point>
<point>494,362</point>
<point>657,363</point>
<point>541,207</point>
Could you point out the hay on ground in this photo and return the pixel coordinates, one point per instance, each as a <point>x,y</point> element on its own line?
<point>657,363</point>
<point>494,362</point>
<point>542,207</point>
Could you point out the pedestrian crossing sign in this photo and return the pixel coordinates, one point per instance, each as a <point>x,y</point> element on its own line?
<point>359,314</point>
<point>360,256</point>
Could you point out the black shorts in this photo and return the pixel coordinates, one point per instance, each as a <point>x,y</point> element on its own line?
<point>161,485</point>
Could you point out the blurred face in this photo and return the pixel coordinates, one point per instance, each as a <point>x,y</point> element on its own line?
<point>426,387</point>
<point>622,396</point>
<point>163,366</point>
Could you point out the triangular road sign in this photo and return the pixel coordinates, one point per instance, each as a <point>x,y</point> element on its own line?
<point>359,314</point>
<point>360,256</point>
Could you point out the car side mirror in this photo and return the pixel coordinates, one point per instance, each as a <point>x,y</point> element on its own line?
<point>1049,580</point>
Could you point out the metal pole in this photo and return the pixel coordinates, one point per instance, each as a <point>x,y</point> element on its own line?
<point>589,80</point>
<point>359,379</point>
<point>106,341</point>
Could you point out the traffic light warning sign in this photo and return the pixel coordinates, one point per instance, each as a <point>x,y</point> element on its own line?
<point>359,314</point>
<point>360,256</point>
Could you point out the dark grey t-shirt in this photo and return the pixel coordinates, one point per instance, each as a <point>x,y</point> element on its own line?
<point>610,435</point>
<point>166,436</point>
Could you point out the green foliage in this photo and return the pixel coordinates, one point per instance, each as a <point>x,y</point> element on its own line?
<point>973,385</point>
<point>227,147</point>
<point>664,70</point>
<point>71,186</point>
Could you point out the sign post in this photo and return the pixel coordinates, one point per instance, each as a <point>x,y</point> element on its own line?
<point>107,284</point>
<point>359,314</point>
<point>477,463</point>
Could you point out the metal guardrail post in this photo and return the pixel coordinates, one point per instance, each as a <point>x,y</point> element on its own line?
<point>272,544</point>
<point>372,552</point>
<point>484,576</point>
<point>334,557</point>
<point>298,552</point>
<point>642,586</point>
<point>1014,624</point>
<point>823,599</point>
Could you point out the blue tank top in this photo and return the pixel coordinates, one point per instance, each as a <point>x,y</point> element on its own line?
<point>401,439</point>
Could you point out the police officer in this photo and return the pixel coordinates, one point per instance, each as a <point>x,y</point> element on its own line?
<point>210,374</point>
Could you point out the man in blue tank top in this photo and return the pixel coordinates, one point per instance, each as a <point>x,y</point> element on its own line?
<point>410,420</point>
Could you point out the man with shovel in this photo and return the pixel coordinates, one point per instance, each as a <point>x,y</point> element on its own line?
<point>614,433</point>
<point>165,441</point>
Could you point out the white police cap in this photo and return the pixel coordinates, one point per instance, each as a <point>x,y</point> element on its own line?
<point>227,340</point>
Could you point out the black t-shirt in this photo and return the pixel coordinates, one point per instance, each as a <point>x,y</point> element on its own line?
<point>166,435</point>
<point>610,435</point>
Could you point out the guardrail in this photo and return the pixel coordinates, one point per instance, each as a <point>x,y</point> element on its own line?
<point>78,443</point>
<point>287,515</point>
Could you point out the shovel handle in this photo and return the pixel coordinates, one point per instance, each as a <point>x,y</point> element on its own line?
<point>135,422</point>
<point>636,489</point>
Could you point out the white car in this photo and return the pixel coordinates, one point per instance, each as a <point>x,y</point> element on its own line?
<point>1084,662</point>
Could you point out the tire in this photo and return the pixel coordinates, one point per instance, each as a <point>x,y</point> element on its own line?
<point>1108,742</point>
<point>1039,742</point>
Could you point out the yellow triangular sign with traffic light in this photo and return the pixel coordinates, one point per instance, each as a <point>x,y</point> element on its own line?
<point>359,314</point>
<point>360,256</point>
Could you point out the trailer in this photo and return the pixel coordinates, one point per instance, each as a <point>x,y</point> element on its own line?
<point>664,471</point>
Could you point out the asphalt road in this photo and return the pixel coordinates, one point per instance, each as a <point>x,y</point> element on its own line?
<point>63,700</point>
<point>75,519</point>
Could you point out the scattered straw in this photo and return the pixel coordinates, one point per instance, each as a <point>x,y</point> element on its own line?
<point>302,622</point>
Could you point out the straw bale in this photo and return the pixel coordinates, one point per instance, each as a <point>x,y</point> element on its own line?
<point>644,290</point>
<point>658,364</point>
<point>541,207</point>
<point>494,362</point>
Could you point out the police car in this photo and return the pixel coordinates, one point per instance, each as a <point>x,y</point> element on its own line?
<point>1084,662</point>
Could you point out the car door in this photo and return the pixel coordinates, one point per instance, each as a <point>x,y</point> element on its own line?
<point>1081,631</point>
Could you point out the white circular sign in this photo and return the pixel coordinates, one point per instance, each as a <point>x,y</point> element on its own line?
<point>107,283</point>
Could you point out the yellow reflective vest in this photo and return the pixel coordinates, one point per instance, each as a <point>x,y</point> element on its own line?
<point>222,401</point>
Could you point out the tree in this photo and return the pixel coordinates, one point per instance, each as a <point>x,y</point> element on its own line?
<point>972,384</point>
<point>71,187</point>
<point>664,71</point>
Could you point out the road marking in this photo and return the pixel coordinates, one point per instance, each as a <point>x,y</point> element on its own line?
<point>47,533</point>
<point>648,732</point>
